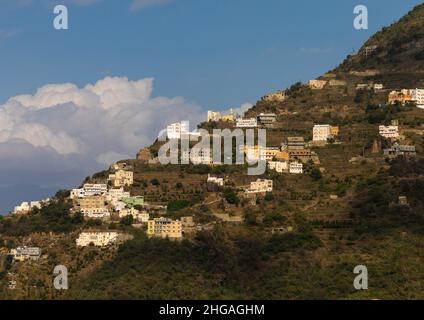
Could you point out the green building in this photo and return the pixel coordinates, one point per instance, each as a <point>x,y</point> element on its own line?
<point>134,201</point>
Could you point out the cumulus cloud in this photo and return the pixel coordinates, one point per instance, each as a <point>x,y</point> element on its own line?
<point>62,133</point>
<point>239,111</point>
<point>114,116</point>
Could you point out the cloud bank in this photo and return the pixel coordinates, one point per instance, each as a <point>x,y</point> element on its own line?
<point>64,130</point>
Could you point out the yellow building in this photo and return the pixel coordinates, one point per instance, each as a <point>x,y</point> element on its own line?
<point>228,118</point>
<point>334,131</point>
<point>164,228</point>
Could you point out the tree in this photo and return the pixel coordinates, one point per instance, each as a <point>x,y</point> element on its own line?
<point>127,221</point>
<point>155,182</point>
<point>231,196</point>
<point>269,196</point>
<point>316,174</point>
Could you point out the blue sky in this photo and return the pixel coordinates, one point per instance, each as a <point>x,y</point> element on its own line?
<point>169,60</point>
<point>217,53</point>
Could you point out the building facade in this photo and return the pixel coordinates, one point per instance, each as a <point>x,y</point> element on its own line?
<point>97,238</point>
<point>26,253</point>
<point>260,186</point>
<point>122,178</point>
<point>279,166</point>
<point>247,123</point>
<point>296,168</point>
<point>164,228</point>
<point>389,132</point>
<point>267,118</point>
<point>175,130</point>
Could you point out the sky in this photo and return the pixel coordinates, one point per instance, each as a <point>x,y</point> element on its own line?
<point>73,101</point>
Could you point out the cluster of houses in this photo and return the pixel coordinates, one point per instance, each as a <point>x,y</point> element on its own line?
<point>26,207</point>
<point>407,95</point>
<point>324,132</point>
<point>391,133</point>
<point>215,116</point>
<point>262,119</point>
<point>278,96</point>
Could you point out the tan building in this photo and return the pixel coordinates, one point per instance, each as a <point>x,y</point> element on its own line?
<point>337,83</point>
<point>323,132</point>
<point>267,118</point>
<point>278,96</point>
<point>317,84</point>
<point>334,131</point>
<point>164,228</point>
<point>295,143</point>
<point>402,96</point>
<point>94,207</point>
<point>260,186</point>
<point>389,132</point>
<point>92,202</point>
<point>25,253</point>
<point>278,166</point>
<point>122,178</point>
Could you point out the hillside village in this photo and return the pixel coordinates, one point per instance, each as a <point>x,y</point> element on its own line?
<point>342,150</point>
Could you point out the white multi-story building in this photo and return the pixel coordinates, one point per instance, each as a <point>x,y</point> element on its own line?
<point>247,123</point>
<point>98,239</point>
<point>317,84</point>
<point>378,86</point>
<point>94,189</point>
<point>278,96</point>
<point>96,213</point>
<point>88,190</point>
<point>25,253</point>
<point>175,130</point>
<point>279,166</point>
<point>296,167</point>
<point>77,193</point>
<point>214,116</point>
<point>389,131</point>
<point>197,156</point>
<point>216,180</point>
<point>260,186</point>
<point>255,153</point>
<point>418,97</point>
<point>321,132</point>
<point>26,207</point>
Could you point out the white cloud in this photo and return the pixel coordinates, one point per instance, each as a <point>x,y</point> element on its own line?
<point>240,111</point>
<point>113,117</point>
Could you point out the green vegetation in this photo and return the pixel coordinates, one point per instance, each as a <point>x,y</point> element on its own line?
<point>231,196</point>
<point>54,217</point>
